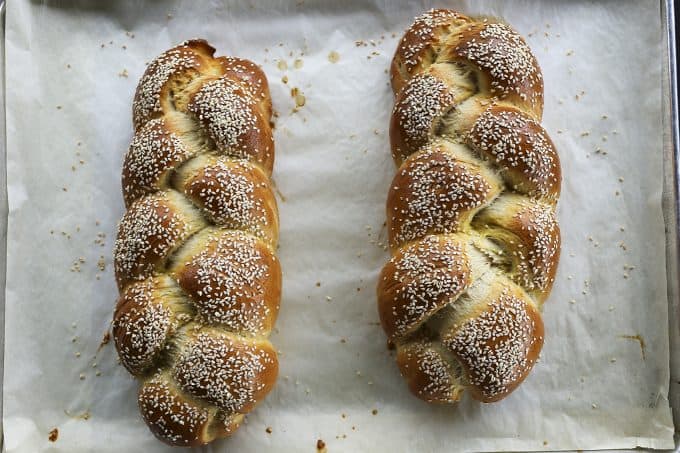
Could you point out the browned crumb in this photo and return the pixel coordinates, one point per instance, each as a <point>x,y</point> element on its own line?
<point>105,340</point>
<point>374,412</point>
<point>318,284</point>
<point>320,445</point>
<point>333,56</point>
<point>300,100</point>
<point>54,435</point>
<point>269,430</point>
<point>640,340</point>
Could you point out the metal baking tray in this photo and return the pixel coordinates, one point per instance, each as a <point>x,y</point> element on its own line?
<point>670,202</point>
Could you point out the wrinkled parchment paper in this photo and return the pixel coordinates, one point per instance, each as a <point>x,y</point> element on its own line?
<point>602,381</point>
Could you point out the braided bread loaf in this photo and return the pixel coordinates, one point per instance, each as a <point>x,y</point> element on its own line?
<point>194,258</point>
<point>471,211</point>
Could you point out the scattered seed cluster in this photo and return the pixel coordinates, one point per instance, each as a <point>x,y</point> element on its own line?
<point>427,276</point>
<point>500,50</point>
<point>148,97</point>
<point>482,172</point>
<point>422,101</point>
<point>222,371</point>
<point>149,230</point>
<point>169,413</point>
<point>227,192</point>
<point>228,112</point>
<point>422,34</point>
<point>431,192</point>
<point>494,346</point>
<point>155,150</point>
<point>228,281</point>
<point>199,323</point>
<point>520,146</point>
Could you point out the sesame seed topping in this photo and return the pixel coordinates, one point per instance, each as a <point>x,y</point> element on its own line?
<point>227,110</point>
<point>521,147</point>
<point>477,169</point>
<point>154,151</point>
<point>495,345</point>
<point>421,101</point>
<point>143,322</point>
<point>229,280</point>
<point>147,101</point>
<point>169,413</point>
<point>194,261</point>
<point>502,52</point>
<point>222,370</point>
<point>148,232</point>
<point>427,275</point>
<point>231,193</point>
<point>422,33</point>
<point>434,191</point>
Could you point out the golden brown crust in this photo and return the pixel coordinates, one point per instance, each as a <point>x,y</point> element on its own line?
<point>430,376</point>
<point>509,68</point>
<point>156,150</point>
<point>480,177</point>
<point>234,120</point>
<point>252,78</point>
<point>233,279</point>
<point>528,233</point>
<point>228,371</point>
<point>499,345</point>
<point>194,257</point>
<point>233,193</point>
<point>520,147</point>
<point>417,48</point>
<point>156,88</point>
<point>435,193</point>
<point>148,313</point>
<point>419,280</point>
<point>417,110</point>
<point>180,420</point>
<point>150,230</point>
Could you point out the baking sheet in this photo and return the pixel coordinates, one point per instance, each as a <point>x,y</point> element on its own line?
<point>592,388</point>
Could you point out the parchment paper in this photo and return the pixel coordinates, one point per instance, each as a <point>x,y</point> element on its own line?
<point>602,381</point>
